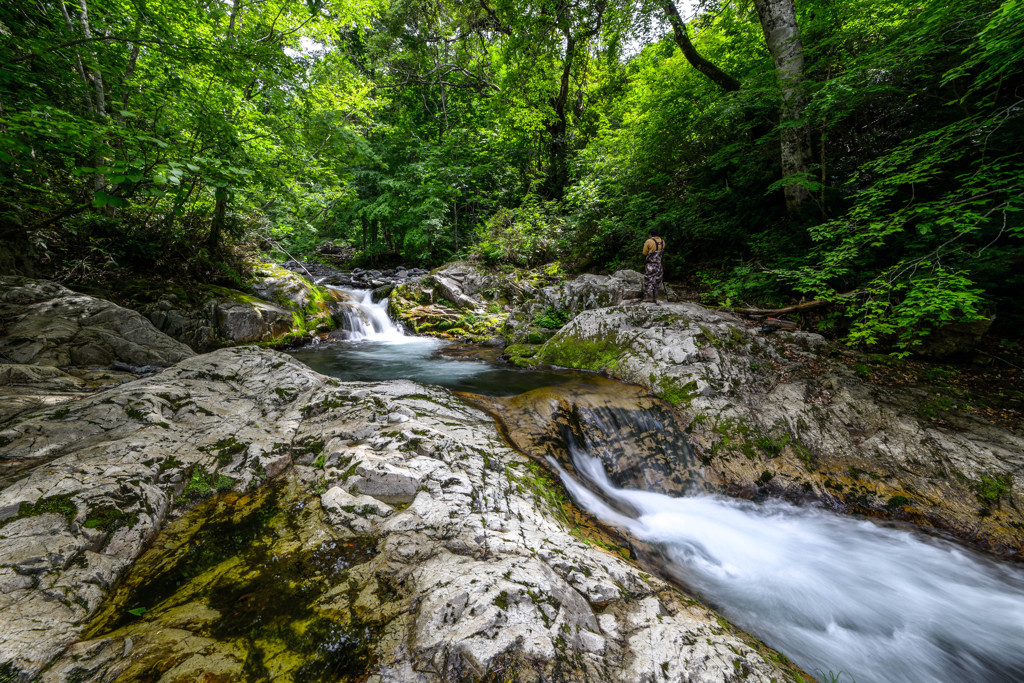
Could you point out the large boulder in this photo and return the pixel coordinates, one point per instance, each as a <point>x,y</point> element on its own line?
<point>43,322</point>
<point>463,300</point>
<point>779,414</point>
<point>278,308</point>
<point>409,543</point>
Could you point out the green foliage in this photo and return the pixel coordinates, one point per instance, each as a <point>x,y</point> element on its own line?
<point>530,234</point>
<point>552,318</point>
<point>134,139</point>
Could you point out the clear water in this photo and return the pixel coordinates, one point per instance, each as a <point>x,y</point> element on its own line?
<point>835,594</point>
<point>378,350</point>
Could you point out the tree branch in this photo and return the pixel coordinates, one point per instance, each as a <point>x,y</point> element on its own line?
<point>724,80</point>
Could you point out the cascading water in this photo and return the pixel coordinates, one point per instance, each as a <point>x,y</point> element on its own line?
<point>365,319</point>
<point>834,593</point>
<point>372,348</point>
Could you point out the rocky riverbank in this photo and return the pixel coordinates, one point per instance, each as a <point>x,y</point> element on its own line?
<point>412,544</point>
<point>776,414</point>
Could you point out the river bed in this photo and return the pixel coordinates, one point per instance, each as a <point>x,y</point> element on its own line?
<point>845,598</point>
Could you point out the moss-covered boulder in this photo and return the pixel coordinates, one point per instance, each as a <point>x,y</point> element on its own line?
<point>423,308</point>
<point>278,307</point>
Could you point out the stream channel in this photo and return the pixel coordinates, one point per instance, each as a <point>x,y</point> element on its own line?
<point>848,598</point>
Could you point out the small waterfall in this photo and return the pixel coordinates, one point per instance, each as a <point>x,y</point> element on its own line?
<point>364,319</point>
<point>834,593</point>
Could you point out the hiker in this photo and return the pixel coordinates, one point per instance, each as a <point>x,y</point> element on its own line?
<point>654,248</point>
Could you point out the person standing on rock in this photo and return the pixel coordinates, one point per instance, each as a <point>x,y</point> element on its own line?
<point>654,248</point>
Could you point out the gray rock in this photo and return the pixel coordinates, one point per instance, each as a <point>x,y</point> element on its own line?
<point>953,339</point>
<point>48,324</point>
<point>471,573</point>
<point>780,405</point>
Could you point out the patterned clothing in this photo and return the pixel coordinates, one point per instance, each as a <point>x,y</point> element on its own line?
<point>653,271</point>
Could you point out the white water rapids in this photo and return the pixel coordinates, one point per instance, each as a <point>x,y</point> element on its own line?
<point>365,319</point>
<point>835,594</point>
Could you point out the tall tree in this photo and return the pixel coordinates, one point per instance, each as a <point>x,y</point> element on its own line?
<point>782,35</point>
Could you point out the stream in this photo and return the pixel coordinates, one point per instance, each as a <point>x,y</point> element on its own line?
<point>845,598</point>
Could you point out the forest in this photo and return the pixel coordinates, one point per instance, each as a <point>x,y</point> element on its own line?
<point>865,154</point>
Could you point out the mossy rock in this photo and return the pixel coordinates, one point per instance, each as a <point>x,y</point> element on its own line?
<point>600,354</point>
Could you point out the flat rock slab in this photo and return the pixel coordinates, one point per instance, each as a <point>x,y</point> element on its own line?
<point>470,576</point>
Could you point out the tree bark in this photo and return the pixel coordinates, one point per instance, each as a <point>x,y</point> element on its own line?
<point>97,76</point>
<point>722,79</point>
<point>558,148</point>
<point>78,57</point>
<point>782,34</point>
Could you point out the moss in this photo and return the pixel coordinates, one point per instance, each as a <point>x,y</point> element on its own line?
<point>135,414</point>
<point>991,489</point>
<point>202,484</point>
<point>897,502</point>
<point>307,446</point>
<point>226,449</point>
<point>60,505</point>
<point>771,447</point>
<point>108,518</point>
<point>8,674</point>
<point>671,390</point>
<point>602,354</point>
<point>539,336</point>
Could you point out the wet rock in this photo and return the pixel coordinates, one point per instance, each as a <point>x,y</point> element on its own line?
<point>953,339</point>
<point>45,323</point>
<point>775,414</point>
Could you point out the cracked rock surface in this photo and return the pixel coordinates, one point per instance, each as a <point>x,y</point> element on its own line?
<point>45,323</point>
<point>779,414</point>
<point>398,517</point>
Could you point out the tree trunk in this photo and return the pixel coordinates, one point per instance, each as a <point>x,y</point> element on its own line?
<point>558,146</point>
<point>97,76</point>
<point>782,34</point>
<point>724,80</point>
<point>217,224</point>
<point>78,58</point>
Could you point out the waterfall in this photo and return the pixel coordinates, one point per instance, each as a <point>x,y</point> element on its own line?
<point>836,594</point>
<point>364,319</point>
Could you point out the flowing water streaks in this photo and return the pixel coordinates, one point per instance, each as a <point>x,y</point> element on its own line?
<point>836,594</point>
<point>831,592</point>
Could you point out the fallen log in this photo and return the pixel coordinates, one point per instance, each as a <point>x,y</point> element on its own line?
<point>806,306</point>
